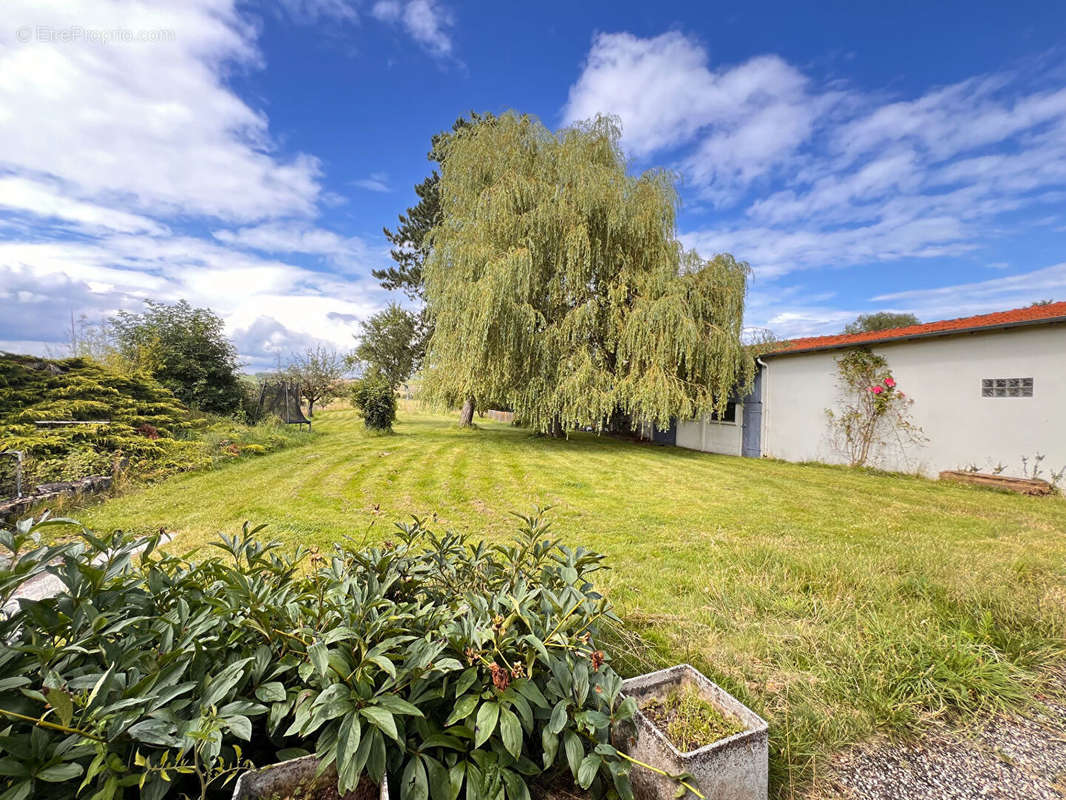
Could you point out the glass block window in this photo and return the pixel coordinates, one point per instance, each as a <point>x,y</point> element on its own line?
<point>1007,387</point>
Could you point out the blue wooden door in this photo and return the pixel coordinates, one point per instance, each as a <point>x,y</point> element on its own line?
<point>751,433</point>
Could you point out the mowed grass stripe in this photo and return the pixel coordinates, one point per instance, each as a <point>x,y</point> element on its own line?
<point>837,603</point>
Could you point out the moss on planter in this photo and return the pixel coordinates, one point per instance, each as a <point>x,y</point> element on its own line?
<point>319,789</point>
<point>557,785</point>
<point>688,720</point>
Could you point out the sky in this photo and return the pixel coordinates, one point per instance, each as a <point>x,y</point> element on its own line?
<point>860,157</point>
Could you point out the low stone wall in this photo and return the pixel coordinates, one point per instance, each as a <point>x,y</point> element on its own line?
<point>15,507</point>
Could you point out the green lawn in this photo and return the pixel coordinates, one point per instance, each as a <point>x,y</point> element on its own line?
<point>835,602</point>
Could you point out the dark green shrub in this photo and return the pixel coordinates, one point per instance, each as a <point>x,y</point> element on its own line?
<point>376,401</point>
<point>251,388</point>
<point>448,665</point>
<point>186,350</point>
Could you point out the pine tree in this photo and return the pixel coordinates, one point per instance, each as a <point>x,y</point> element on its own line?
<point>410,246</point>
<point>409,241</point>
<point>555,280</point>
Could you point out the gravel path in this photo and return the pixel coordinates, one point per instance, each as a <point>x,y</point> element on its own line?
<point>1018,757</point>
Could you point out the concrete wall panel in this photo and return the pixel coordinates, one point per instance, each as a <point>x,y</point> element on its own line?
<point>943,376</point>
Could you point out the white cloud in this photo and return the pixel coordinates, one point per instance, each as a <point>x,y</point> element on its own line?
<point>387,10</point>
<point>31,320</point>
<point>745,119</point>
<point>932,156</point>
<point>804,174</point>
<point>376,182</point>
<point>792,310</point>
<point>789,311</point>
<point>426,21</point>
<point>773,252</point>
<point>273,342</point>
<point>311,11</point>
<point>111,154</point>
<point>852,197</point>
<point>808,320</point>
<point>148,124</point>
<point>121,271</point>
<point>327,318</point>
<point>45,199</point>
<point>996,294</point>
<point>351,253</point>
<point>654,86</point>
<point>952,120</point>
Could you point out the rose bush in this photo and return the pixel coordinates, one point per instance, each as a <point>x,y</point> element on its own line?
<point>872,412</point>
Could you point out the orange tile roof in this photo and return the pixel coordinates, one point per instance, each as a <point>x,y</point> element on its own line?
<point>1017,316</point>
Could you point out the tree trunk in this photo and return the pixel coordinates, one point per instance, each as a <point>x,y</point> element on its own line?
<point>310,408</point>
<point>466,416</point>
<point>555,429</point>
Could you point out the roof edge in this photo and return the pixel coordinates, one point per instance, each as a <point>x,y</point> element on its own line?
<point>912,336</point>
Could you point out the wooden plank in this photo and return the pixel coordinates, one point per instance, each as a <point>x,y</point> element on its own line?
<point>44,423</point>
<point>1030,486</point>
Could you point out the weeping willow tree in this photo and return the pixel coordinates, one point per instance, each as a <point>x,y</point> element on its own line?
<point>556,283</point>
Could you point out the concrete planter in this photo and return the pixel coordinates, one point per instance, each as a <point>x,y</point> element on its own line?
<point>734,768</point>
<point>295,780</point>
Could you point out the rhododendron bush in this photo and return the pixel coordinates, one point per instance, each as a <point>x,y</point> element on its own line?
<point>457,668</point>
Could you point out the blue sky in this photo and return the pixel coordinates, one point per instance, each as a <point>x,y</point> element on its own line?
<point>906,156</point>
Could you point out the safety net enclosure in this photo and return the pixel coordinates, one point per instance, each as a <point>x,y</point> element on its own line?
<point>281,398</point>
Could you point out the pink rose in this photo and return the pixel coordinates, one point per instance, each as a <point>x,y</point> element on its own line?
<point>877,390</point>
<point>890,382</point>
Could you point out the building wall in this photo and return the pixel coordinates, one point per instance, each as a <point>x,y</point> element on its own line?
<point>712,437</point>
<point>943,376</point>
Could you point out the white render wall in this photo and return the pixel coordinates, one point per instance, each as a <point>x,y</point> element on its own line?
<point>712,437</point>
<point>943,377</point>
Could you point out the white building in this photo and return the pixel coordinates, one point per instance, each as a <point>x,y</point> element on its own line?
<point>986,391</point>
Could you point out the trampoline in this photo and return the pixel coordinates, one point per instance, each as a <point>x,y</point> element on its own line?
<point>282,399</point>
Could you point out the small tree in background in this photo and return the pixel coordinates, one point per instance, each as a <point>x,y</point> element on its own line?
<point>391,344</point>
<point>93,340</point>
<point>186,350</point>
<point>376,401</point>
<point>761,340</point>
<point>880,321</point>
<point>318,370</point>
<point>873,411</point>
<point>555,281</point>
